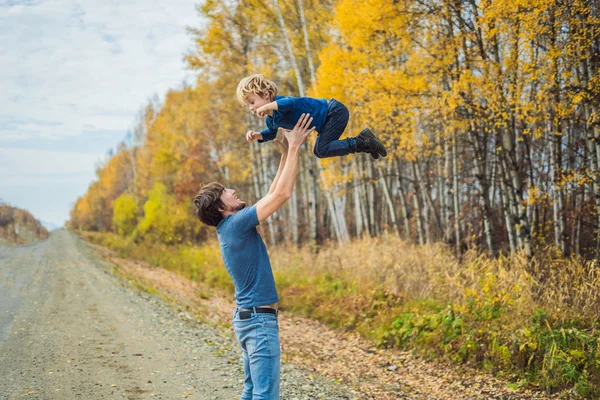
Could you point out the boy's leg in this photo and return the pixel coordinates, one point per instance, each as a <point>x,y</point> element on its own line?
<point>328,143</point>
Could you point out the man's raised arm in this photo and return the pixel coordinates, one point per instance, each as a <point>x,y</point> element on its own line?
<point>286,175</point>
<point>283,147</point>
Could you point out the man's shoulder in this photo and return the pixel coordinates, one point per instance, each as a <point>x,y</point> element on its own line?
<point>244,212</point>
<point>241,220</point>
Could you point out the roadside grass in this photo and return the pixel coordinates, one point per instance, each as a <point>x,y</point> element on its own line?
<point>134,282</point>
<point>532,322</point>
<point>139,284</point>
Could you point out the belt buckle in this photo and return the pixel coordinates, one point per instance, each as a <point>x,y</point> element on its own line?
<point>244,314</point>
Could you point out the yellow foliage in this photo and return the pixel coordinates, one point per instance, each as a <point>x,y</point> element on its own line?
<point>125,213</point>
<point>164,219</point>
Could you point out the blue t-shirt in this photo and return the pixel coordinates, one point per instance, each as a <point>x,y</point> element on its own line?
<point>289,111</point>
<point>246,259</point>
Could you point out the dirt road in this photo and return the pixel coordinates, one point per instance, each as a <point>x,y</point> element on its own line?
<point>71,330</point>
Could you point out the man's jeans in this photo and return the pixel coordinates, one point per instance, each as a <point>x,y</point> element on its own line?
<point>328,143</point>
<point>258,337</point>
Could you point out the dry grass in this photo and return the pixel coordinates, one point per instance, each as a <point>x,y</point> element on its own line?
<point>563,287</point>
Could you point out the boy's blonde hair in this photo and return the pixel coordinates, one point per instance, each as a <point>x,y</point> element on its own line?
<point>257,84</point>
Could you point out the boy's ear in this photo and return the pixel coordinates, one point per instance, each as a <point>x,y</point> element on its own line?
<point>268,96</point>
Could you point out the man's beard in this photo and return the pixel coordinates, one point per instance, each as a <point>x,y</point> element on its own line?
<point>241,206</point>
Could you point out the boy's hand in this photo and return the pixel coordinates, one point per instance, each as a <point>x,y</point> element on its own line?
<point>266,109</point>
<point>251,135</point>
<point>262,111</point>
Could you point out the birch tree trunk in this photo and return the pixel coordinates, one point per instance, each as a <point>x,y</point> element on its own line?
<point>294,216</point>
<point>290,49</point>
<point>480,166</point>
<point>402,197</point>
<point>388,199</point>
<point>371,201</point>
<point>337,204</point>
<point>340,207</point>
<point>294,199</point>
<point>555,140</point>
<point>456,196</point>
<point>358,215</point>
<point>417,205</point>
<point>312,183</point>
<point>424,202</point>
<point>448,193</point>
<point>508,215</point>
<point>311,67</point>
<point>334,221</point>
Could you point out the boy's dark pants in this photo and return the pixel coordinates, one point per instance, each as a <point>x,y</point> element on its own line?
<point>328,143</point>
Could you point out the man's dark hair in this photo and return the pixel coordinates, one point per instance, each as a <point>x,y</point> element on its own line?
<point>208,202</point>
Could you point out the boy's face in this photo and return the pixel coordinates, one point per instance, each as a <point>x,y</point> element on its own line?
<point>255,101</point>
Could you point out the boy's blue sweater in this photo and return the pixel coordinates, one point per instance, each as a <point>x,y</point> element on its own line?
<point>289,111</point>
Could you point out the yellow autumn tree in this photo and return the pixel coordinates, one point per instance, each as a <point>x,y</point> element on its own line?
<point>125,214</point>
<point>165,220</point>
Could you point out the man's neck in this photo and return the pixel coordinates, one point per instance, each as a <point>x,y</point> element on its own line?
<point>226,214</point>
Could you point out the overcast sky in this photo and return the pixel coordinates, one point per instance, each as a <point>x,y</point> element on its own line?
<point>73,76</point>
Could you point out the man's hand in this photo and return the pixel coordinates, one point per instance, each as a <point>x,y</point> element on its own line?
<point>251,135</point>
<point>297,136</point>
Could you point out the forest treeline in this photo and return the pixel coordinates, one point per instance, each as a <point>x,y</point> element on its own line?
<point>490,111</point>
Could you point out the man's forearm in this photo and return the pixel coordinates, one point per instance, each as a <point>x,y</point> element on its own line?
<point>287,179</point>
<point>279,171</point>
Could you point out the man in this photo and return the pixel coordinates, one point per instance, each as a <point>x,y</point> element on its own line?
<point>247,262</point>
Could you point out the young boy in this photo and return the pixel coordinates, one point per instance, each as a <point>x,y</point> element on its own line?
<point>329,118</point>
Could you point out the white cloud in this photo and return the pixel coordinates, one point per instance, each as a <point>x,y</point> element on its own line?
<point>74,74</point>
<point>79,66</point>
